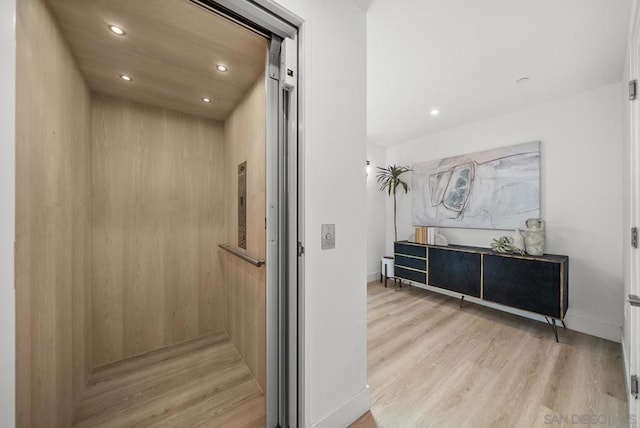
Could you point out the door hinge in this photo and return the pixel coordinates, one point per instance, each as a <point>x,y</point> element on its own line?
<point>300,249</point>
<point>633,89</point>
<point>634,237</point>
<point>274,60</point>
<point>634,385</point>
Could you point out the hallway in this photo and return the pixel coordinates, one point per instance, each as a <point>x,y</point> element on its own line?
<point>434,364</point>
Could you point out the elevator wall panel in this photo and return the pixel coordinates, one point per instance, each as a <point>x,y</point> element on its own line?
<point>157,203</point>
<point>245,285</point>
<point>53,247</point>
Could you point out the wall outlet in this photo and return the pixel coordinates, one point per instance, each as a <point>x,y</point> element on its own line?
<point>328,236</point>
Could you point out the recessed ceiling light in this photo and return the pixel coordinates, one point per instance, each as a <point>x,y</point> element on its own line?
<point>522,80</point>
<point>435,112</point>
<point>126,77</point>
<point>117,30</point>
<point>221,68</point>
<point>206,99</point>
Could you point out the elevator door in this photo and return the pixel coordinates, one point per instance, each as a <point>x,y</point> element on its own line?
<point>285,216</point>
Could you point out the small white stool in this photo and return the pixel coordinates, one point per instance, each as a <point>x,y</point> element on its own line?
<point>386,269</point>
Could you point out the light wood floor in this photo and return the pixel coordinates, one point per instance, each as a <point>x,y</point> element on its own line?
<point>200,383</point>
<point>432,364</point>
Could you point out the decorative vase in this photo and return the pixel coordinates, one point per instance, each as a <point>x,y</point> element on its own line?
<point>534,237</point>
<point>518,240</point>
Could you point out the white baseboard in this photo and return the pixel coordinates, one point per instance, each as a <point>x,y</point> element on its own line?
<point>627,379</point>
<point>373,276</point>
<point>593,327</point>
<point>625,361</point>
<point>348,413</point>
<point>572,320</point>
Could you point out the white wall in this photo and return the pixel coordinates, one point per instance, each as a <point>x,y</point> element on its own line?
<point>7,209</point>
<point>627,213</point>
<point>334,114</point>
<point>376,213</point>
<point>626,224</point>
<point>629,209</point>
<point>581,187</point>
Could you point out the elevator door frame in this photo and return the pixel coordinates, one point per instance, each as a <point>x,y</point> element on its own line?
<point>284,246</point>
<point>285,387</point>
<point>285,339</point>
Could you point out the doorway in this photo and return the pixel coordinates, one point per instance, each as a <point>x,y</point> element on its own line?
<point>151,231</point>
<point>631,330</point>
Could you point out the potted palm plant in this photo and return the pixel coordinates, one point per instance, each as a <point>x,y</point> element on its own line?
<point>390,180</point>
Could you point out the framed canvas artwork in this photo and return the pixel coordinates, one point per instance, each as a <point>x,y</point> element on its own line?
<point>492,189</point>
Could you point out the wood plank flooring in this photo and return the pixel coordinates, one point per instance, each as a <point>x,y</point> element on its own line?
<point>200,383</point>
<point>432,364</point>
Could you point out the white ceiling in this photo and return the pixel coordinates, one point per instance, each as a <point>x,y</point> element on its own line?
<point>463,57</point>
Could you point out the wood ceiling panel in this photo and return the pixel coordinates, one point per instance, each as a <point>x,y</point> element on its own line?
<point>171,49</point>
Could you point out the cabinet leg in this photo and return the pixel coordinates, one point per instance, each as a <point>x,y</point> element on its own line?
<point>563,325</point>
<point>461,301</point>
<point>553,326</point>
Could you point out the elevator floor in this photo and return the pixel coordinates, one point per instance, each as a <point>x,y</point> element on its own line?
<point>203,383</point>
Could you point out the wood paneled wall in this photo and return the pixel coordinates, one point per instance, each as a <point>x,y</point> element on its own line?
<point>245,285</point>
<point>53,247</point>
<point>119,211</point>
<point>158,216</point>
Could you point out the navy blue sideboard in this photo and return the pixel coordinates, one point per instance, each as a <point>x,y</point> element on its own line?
<point>537,284</point>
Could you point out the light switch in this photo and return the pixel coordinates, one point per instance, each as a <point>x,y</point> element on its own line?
<point>328,236</point>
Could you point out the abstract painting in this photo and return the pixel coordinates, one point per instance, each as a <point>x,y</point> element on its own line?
<point>493,189</point>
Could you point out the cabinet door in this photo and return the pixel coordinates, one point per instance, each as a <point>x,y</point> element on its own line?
<point>410,262</point>
<point>531,285</point>
<point>410,249</point>
<point>457,271</point>
<point>411,275</point>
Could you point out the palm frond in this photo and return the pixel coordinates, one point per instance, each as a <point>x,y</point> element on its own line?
<point>390,179</point>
